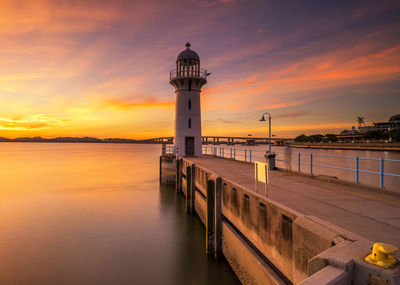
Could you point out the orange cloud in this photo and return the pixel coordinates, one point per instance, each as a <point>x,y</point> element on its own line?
<point>150,103</point>
<point>278,89</point>
<point>33,122</point>
<point>290,115</point>
<point>78,60</point>
<point>336,70</point>
<point>46,16</point>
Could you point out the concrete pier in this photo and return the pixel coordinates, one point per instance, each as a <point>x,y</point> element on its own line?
<point>306,231</point>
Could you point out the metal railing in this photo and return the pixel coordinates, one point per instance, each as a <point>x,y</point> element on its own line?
<point>202,73</point>
<point>251,155</point>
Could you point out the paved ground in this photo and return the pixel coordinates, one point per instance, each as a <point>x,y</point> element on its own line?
<point>373,215</point>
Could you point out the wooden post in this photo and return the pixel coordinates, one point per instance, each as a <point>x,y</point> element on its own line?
<point>177,175</point>
<point>188,187</point>
<point>160,168</point>
<point>192,189</point>
<point>210,217</point>
<point>256,178</point>
<point>218,219</point>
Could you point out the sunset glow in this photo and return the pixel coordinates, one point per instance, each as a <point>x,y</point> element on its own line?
<point>101,68</point>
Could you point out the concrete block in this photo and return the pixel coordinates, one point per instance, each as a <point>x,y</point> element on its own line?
<point>167,170</point>
<point>310,239</point>
<point>328,276</point>
<point>248,266</point>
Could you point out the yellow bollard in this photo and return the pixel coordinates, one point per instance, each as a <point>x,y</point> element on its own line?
<point>381,255</point>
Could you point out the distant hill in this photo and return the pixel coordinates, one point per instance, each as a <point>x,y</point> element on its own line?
<point>72,140</point>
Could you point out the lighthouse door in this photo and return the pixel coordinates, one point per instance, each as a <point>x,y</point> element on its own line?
<point>189,146</point>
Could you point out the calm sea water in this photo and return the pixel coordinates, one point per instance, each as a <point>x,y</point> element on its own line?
<point>95,214</point>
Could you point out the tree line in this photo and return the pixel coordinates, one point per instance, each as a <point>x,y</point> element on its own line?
<point>316,138</point>
<point>393,135</point>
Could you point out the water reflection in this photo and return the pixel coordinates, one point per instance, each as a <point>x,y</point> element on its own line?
<point>94,214</point>
<point>193,266</point>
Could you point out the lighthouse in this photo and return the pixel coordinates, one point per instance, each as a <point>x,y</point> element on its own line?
<point>187,79</point>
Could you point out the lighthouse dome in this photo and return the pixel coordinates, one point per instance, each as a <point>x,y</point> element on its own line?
<point>188,54</point>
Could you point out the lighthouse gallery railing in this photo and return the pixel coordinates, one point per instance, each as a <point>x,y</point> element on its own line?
<point>188,73</point>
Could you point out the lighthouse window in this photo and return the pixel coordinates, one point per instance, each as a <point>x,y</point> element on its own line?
<point>190,123</point>
<point>190,104</point>
<point>190,85</point>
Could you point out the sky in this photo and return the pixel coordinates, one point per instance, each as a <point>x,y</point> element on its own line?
<point>101,68</point>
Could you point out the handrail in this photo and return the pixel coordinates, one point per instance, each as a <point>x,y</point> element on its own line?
<point>250,155</point>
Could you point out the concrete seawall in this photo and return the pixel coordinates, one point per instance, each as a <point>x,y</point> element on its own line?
<point>266,242</point>
<point>167,169</point>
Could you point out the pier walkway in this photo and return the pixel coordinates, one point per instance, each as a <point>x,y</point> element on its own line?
<point>373,215</point>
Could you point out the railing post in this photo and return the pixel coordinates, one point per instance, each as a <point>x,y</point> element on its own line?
<point>382,173</point>
<point>298,161</point>
<point>231,153</point>
<point>223,152</point>
<point>234,153</point>
<point>245,155</point>
<point>357,170</point>
<point>250,155</point>
<point>311,163</point>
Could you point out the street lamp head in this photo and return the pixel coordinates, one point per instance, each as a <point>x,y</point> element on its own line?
<point>262,119</point>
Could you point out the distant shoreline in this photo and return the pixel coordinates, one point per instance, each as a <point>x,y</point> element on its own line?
<point>75,140</point>
<point>351,146</point>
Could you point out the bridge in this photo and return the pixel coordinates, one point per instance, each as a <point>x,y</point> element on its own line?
<point>230,140</point>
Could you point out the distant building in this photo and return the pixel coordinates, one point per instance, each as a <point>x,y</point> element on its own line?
<point>349,132</point>
<point>357,134</point>
<point>392,124</point>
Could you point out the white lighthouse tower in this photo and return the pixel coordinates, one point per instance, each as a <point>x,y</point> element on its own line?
<point>188,78</point>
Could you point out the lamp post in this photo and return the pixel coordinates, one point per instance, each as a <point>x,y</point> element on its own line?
<point>269,124</point>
